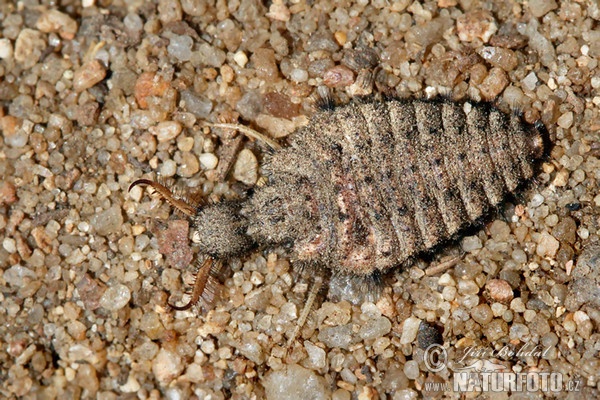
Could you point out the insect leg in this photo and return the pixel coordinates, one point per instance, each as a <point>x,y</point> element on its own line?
<point>314,290</point>
<point>251,133</point>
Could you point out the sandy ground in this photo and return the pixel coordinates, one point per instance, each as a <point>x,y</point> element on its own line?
<point>95,94</point>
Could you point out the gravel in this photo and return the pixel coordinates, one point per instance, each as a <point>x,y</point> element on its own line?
<point>94,97</point>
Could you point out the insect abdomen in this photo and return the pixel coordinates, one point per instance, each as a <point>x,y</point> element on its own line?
<point>380,182</point>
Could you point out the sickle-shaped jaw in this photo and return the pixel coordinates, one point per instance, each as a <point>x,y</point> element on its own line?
<point>200,285</point>
<point>166,194</point>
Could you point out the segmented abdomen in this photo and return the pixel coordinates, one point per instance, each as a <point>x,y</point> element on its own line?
<point>371,184</point>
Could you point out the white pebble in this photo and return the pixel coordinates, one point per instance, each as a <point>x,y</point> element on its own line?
<point>517,305</point>
<point>530,81</point>
<point>375,328</point>
<point>132,385</point>
<point>411,369</point>
<point>91,187</point>
<point>169,168</point>
<point>529,315</point>
<point>180,47</point>
<point>316,355</point>
<point>83,226</point>
<point>133,22</point>
<point>166,130</point>
<point>246,167</point>
<point>449,293</point>
<point>519,256</point>
<point>41,171</point>
<point>409,330</point>
<point>299,75</point>
<point>6,49</point>
<point>295,382</point>
<point>578,175</point>
<point>9,245</point>
<point>579,317</point>
<point>566,120</point>
<point>536,201</point>
<point>17,139</point>
<point>115,297</point>
<point>208,160</point>
<point>208,346</point>
<point>136,193</point>
<point>513,95</point>
<point>498,309</point>
<point>583,233</point>
<point>467,287</point>
<point>240,58</point>
<point>166,366</point>
<point>547,245</point>
<point>75,258</point>
<point>585,49</point>
<point>446,280</point>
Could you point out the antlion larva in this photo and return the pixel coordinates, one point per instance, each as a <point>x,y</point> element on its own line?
<point>366,186</point>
